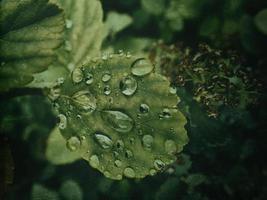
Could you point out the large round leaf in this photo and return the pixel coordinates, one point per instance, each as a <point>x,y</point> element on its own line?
<point>124,113</point>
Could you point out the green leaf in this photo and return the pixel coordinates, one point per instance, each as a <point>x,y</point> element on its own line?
<point>261,21</point>
<point>84,31</point>
<point>57,151</point>
<point>124,113</point>
<point>71,190</point>
<point>30,32</point>
<point>153,7</point>
<point>39,192</point>
<point>116,22</point>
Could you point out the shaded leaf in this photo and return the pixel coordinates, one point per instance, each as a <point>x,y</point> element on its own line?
<point>30,32</point>
<point>39,192</point>
<point>261,21</point>
<point>70,190</point>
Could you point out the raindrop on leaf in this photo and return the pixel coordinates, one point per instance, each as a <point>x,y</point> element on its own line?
<point>141,67</point>
<point>128,86</point>
<point>118,120</point>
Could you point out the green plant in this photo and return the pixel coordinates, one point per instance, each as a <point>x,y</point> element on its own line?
<point>125,114</point>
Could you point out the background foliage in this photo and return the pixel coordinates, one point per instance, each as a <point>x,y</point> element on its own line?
<point>225,156</point>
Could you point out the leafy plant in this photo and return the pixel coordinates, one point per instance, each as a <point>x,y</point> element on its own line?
<point>130,113</point>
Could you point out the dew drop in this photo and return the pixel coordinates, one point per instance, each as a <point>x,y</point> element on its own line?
<point>141,67</point>
<point>128,86</point>
<point>77,75</point>
<point>120,144</point>
<point>94,161</point>
<point>89,79</point>
<point>152,172</point>
<point>104,141</point>
<point>73,143</point>
<point>173,90</point>
<point>129,172</point>
<point>147,141</point>
<point>118,163</point>
<point>170,146</point>
<point>68,23</point>
<point>62,121</point>
<point>106,77</point>
<point>128,153</point>
<point>85,101</point>
<point>159,164</point>
<point>107,90</point>
<point>144,108</point>
<point>118,120</point>
<point>166,113</point>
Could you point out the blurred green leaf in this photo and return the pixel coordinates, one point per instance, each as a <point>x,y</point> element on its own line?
<point>261,21</point>
<point>30,32</point>
<point>39,192</point>
<point>153,7</point>
<point>70,190</point>
<point>116,22</point>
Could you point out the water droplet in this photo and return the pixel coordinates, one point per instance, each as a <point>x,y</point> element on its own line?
<point>54,92</point>
<point>128,86</point>
<point>140,132</point>
<point>89,79</point>
<point>159,164</point>
<point>147,141</point>
<point>60,80</point>
<point>105,57</point>
<point>170,146</point>
<point>115,154</point>
<point>85,101</point>
<point>128,55</point>
<point>104,141</point>
<point>144,108</point>
<point>77,75</point>
<point>68,23</point>
<point>173,90</point>
<point>106,77</point>
<point>94,161</point>
<point>141,67</point>
<point>166,113</point>
<point>119,121</point>
<point>129,172</point>
<point>118,163</point>
<point>132,140</point>
<point>107,90</point>
<point>73,143</point>
<point>62,121</point>
<point>152,172</point>
<point>120,144</point>
<point>128,153</point>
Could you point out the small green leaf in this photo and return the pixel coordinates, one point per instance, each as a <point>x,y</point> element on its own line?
<point>153,7</point>
<point>70,190</point>
<point>30,32</point>
<point>116,22</point>
<point>261,21</point>
<point>39,192</point>
<point>84,31</point>
<point>57,151</point>
<point>124,112</point>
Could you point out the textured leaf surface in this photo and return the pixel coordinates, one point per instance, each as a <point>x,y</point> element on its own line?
<point>83,36</point>
<point>30,31</point>
<point>124,113</point>
<point>39,192</point>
